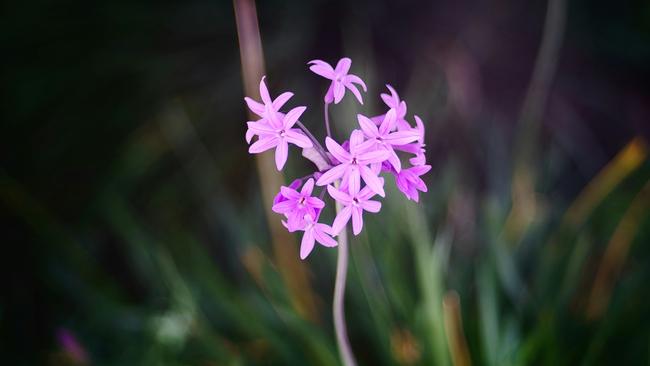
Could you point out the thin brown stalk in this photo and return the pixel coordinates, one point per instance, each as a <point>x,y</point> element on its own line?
<point>285,247</point>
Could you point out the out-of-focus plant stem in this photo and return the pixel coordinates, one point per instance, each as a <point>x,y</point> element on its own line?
<point>284,246</point>
<point>456,342</point>
<point>524,205</point>
<point>616,253</point>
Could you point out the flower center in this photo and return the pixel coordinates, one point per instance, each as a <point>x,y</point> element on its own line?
<point>355,201</point>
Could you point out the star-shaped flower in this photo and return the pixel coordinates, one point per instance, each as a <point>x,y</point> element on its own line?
<point>278,133</point>
<point>298,204</point>
<point>416,148</point>
<point>340,79</point>
<point>354,204</point>
<point>354,164</point>
<point>384,138</point>
<point>409,182</point>
<point>315,231</point>
<point>265,109</point>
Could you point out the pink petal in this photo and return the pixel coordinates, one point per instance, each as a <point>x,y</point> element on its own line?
<point>331,175</point>
<point>260,128</point>
<point>315,202</point>
<point>367,126</point>
<point>263,144</point>
<point>255,107</point>
<point>357,220</point>
<point>357,80</point>
<point>402,137</point>
<point>281,153</point>
<point>284,207</point>
<point>393,159</point>
<point>354,91</point>
<point>419,159</point>
<point>421,170</point>
<point>341,220</point>
<point>264,92</point>
<point>371,206</point>
<point>329,96</point>
<point>376,156</point>
<point>337,150</point>
<point>339,91</point>
<point>321,68</point>
<point>343,66</point>
<point>372,181</point>
<point>354,180</point>
<point>281,100</point>
<point>289,193</point>
<point>366,193</point>
<point>321,233</point>
<point>388,123</point>
<point>356,139</point>
<point>307,244</point>
<point>273,117</point>
<point>308,187</point>
<point>367,145</point>
<point>292,116</point>
<point>388,100</point>
<point>339,195</point>
<point>297,138</point>
<point>401,109</point>
<point>249,135</point>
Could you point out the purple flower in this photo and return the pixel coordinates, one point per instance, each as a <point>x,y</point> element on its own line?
<point>416,148</point>
<point>278,133</point>
<point>384,138</point>
<point>267,108</point>
<point>340,79</point>
<point>354,164</point>
<point>354,204</point>
<point>315,231</point>
<point>409,182</point>
<point>297,205</point>
<point>280,197</point>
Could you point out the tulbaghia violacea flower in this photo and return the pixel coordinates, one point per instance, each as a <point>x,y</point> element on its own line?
<point>393,101</point>
<point>354,204</point>
<point>265,109</point>
<point>296,205</point>
<point>384,138</point>
<point>280,197</point>
<point>278,133</point>
<point>354,164</point>
<point>315,231</point>
<point>340,79</point>
<point>409,182</point>
<point>416,148</point>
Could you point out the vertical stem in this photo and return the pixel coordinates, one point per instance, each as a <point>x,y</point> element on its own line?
<point>294,272</point>
<point>339,292</point>
<point>338,308</point>
<point>327,120</point>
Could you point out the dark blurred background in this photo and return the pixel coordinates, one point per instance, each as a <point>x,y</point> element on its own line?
<point>134,232</point>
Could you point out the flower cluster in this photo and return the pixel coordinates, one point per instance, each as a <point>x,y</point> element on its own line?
<point>350,172</point>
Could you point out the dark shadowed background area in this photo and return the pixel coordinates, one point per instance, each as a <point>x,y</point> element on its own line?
<point>132,224</point>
